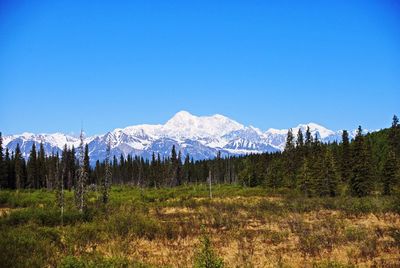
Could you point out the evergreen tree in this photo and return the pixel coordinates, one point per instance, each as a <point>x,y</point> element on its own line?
<point>179,169</point>
<point>32,168</point>
<point>300,139</point>
<point>82,178</point>
<point>275,173</point>
<point>106,182</point>
<point>86,160</point>
<point>59,187</point>
<point>345,158</point>
<point>42,178</point>
<point>330,174</point>
<point>10,170</point>
<point>394,136</point>
<point>187,169</point>
<point>174,167</point>
<point>3,166</point>
<point>308,140</point>
<point>360,182</point>
<point>389,173</point>
<point>290,159</point>
<point>18,168</point>
<point>306,180</point>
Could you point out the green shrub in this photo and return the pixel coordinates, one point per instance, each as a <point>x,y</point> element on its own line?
<point>98,261</point>
<point>395,234</point>
<point>44,217</point>
<point>27,247</point>
<point>135,223</point>
<point>355,234</point>
<point>206,257</point>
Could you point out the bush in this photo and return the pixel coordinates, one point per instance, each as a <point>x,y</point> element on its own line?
<point>44,217</point>
<point>206,257</point>
<point>395,234</point>
<point>28,247</point>
<point>124,223</point>
<point>355,234</point>
<point>98,261</point>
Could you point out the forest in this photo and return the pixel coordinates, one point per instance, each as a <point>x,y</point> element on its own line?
<point>364,165</point>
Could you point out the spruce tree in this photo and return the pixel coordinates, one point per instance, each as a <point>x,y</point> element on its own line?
<point>18,168</point>
<point>305,179</point>
<point>394,136</point>
<point>86,160</point>
<point>106,181</point>
<point>82,178</point>
<point>174,167</point>
<point>10,170</point>
<point>187,169</point>
<point>361,181</point>
<point>330,174</point>
<point>59,186</point>
<point>32,168</point>
<point>345,158</point>
<point>389,173</point>
<point>3,166</point>
<point>300,139</point>
<point>290,161</point>
<point>308,138</point>
<point>42,180</point>
<point>179,169</point>
<point>275,173</point>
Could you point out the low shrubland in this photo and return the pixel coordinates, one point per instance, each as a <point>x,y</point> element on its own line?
<point>183,227</point>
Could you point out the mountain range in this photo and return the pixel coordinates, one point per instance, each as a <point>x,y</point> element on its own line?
<point>202,137</point>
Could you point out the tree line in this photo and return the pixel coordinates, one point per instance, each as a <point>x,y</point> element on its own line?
<point>361,166</point>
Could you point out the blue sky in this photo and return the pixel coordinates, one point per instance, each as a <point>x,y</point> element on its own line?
<point>264,63</point>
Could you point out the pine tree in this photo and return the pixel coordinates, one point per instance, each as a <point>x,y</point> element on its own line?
<point>389,173</point>
<point>32,168</point>
<point>3,166</point>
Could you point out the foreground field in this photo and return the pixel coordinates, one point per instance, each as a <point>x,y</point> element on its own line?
<point>247,227</point>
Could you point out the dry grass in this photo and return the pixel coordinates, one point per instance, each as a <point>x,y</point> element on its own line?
<point>245,230</point>
<point>246,236</point>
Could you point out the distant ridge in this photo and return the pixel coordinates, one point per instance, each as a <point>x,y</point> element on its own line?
<point>200,136</point>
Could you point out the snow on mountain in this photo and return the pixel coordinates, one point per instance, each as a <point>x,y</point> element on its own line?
<point>185,125</point>
<point>199,136</point>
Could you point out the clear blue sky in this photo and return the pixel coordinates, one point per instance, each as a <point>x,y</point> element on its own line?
<point>264,63</point>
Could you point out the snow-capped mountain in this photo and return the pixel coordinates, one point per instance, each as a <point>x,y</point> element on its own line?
<point>199,136</point>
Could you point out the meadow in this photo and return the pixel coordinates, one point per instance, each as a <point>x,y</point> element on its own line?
<point>182,226</point>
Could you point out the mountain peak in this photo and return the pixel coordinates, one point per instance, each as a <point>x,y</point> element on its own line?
<point>185,125</point>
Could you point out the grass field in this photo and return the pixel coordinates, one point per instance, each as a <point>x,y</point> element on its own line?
<point>247,227</point>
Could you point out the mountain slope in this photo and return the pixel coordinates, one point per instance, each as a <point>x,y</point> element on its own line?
<point>200,136</point>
